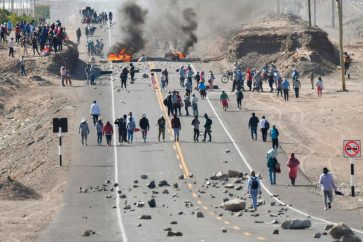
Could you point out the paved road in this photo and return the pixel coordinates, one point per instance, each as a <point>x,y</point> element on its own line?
<point>93,165</point>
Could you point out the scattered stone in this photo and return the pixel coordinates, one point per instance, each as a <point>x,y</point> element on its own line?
<point>328,226</point>
<point>173,222</point>
<point>232,173</point>
<point>259,222</point>
<point>224,230</point>
<point>181,177</point>
<point>144,216</point>
<point>317,236</point>
<point>180,213</point>
<point>115,185</point>
<point>108,197</point>
<point>296,224</point>
<point>351,238</point>
<point>199,214</point>
<point>144,177</point>
<point>175,185</point>
<point>276,231</point>
<point>155,192</point>
<point>151,184</point>
<point>139,225</point>
<point>190,175</point>
<point>119,191</point>
<point>226,161</point>
<point>238,188</point>
<point>234,205</point>
<point>107,182</point>
<point>255,215</point>
<point>163,183</point>
<point>229,186</point>
<point>171,233</point>
<point>127,207</point>
<point>228,150</point>
<point>140,204</point>
<point>239,214</point>
<point>260,202</point>
<point>275,221</point>
<point>165,191</point>
<point>152,203</point>
<point>273,203</point>
<point>88,232</point>
<point>340,230</point>
<point>123,196</point>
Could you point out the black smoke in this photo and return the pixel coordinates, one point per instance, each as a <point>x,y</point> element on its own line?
<point>189,29</point>
<point>132,20</point>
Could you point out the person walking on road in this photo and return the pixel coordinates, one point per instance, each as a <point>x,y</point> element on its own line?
<point>293,165</point>
<point>196,123</point>
<point>252,124</point>
<point>168,102</point>
<point>122,132</point>
<point>285,88</point>
<point>130,126</point>
<point>328,186</point>
<point>254,188</point>
<point>78,34</point>
<point>211,79</point>
<point>108,132</point>
<point>274,133</point>
<point>132,72</point>
<point>239,96</point>
<point>195,105</point>
<point>296,85</point>
<point>271,165</point>
<point>87,71</point>
<point>207,128</point>
<point>161,124</point>
<point>224,100</point>
<point>347,61</point>
<point>176,125</point>
<point>99,129</point>
<point>144,126</point>
<point>312,77</point>
<point>264,127</point>
<point>123,77</point>
<point>11,44</point>
<point>187,104</point>
<point>84,131</point>
<point>63,73</point>
<point>181,76</point>
<point>95,111</point>
<point>320,86</point>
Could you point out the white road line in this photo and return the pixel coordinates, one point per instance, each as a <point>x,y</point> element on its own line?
<point>118,211</point>
<point>250,169</point>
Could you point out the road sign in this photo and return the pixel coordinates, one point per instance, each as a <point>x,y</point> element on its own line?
<point>60,123</point>
<point>351,148</point>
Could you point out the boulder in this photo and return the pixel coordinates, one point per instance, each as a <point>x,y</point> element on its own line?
<point>144,216</point>
<point>340,230</point>
<point>351,238</point>
<point>317,236</point>
<point>163,183</point>
<point>151,185</point>
<point>232,173</point>
<point>152,203</point>
<point>199,214</point>
<point>234,205</point>
<point>296,224</point>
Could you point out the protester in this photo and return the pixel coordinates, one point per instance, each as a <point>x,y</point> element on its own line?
<point>252,124</point>
<point>99,130</point>
<point>35,45</point>
<point>195,105</point>
<point>68,77</point>
<point>202,90</point>
<point>22,66</point>
<point>87,71</point>
<point>132,72</point>
<point>181,76</point>
<point>271,165</point>
<point>293,165</point>
<point>207,128</point>
<point>187,104</point>
<point>254,188</point>
<point>296,85</point>
<point>84,131</point>
<point>264,127</point>
<point>274,133</point>
<point>311,77</point>
<point>285,88</point>
<point>144,126</point>
<point>11,47</point>
<point>63,74</point>
<point>130,126</point>
<point>108,132</point>
<point>211,79</point>
<point>95,111</point>
<point>78,34</point>
<point>347,61</point>
<point>224,100</point>
<point>122,132</point>
<point>319,86</point>
<point>123,77</point>
<point>195,124</point>
<point>176,126</point>
<point>239,96</point>
<point>327,185</point>
<point>161,124</point>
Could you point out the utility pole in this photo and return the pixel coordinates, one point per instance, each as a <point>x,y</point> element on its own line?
<point>12,6</point>
<point>333,13</point>
<point>278,6</point>
<point>314,12</point>
<point>309,12</point>
<point>341,51</point>
<point>33,8</point>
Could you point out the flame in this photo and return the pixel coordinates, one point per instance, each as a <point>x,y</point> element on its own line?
<point>180,54</point>
<point>121,56</point>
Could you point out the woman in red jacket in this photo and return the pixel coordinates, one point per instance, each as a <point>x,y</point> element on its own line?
<point>108,132</point>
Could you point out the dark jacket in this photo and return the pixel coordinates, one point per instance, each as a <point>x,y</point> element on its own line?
<point>121,123</point>
<point>208,123</point>
<point>253,122</point>
<point>161,123</point>
<point>175,123</point>
<point>144,123</point>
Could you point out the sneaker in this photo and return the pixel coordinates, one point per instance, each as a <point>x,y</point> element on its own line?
<point>325,208</point>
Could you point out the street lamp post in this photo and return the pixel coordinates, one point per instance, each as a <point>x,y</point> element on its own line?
<point>309,12</point>
<point>341,51</point>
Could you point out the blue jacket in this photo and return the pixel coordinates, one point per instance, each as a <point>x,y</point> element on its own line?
<point>274,133</point>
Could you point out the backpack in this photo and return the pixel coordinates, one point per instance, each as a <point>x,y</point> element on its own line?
<point>254,183</point>
<point>267,125</point>
<point>208,123</point>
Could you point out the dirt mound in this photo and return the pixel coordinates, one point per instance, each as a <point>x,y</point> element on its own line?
<point>286,41</point>
<point>69,57</point>
<point>13,190</point>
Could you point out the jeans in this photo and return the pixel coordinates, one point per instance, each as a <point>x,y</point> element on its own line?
<point>95,118</point>
<point>84,139</point>
<point>254,194</point>
<point>99,138</point>
<point>239,103</point>
<point>161,132</point>
<point>176,134</point>
<point>254,131</point>
<point>272,175</point>
<point>207,131</point>
<point>286,94</point>
<point>296,92</point>
<point>328,197</point>
<point>195,109</point>
<point>279,91</point>
<point>196,135</point>
<point>144,134</point>
<point>108,139</point>
<point>264,134</point>
<point>130,135</point>
<point>275,143</point>
<point>22,71</point>
<point>123,83</point>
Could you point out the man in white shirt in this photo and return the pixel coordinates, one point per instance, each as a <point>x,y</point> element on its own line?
<point>95,111</point>
<point>195,105</point>
<point>11,47</point>
<point>264,126</point>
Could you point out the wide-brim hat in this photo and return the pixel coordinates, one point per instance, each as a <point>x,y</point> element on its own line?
<point>83,120</point>
<point>325,170</point>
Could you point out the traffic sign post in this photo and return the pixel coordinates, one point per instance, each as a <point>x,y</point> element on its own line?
<point>60,125</point>
<point>351,150</point>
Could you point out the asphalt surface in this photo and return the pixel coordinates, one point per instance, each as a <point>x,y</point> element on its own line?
<point>93,165</point>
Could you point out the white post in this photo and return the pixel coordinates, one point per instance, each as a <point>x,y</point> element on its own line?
<point>352,176</point>
<point>60,146</point>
